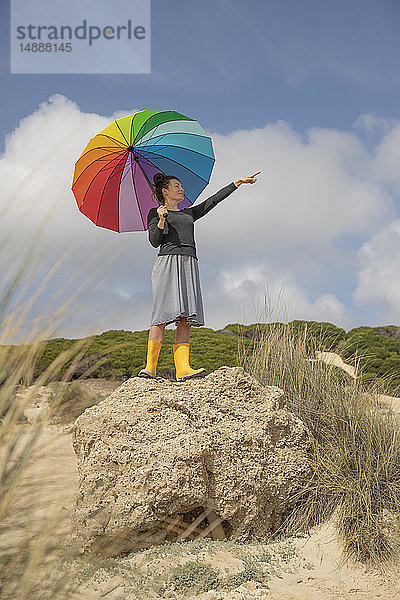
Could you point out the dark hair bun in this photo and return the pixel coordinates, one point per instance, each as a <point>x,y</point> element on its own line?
<point>158,178</point>
<point>161,182</point>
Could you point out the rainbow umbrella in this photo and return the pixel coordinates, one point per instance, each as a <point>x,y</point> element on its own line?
<point>113,177</point>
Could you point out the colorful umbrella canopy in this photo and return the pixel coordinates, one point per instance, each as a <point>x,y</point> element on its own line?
<point>113,177</point>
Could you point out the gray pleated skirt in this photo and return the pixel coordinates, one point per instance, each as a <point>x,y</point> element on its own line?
<point>176,290</point>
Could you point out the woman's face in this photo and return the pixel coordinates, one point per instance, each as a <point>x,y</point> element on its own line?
<point>174,192</point>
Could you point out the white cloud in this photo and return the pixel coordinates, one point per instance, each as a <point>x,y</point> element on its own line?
<point>258,293</point>
<point>387,160</point>
<point>309,191</point>
<point>317,198</point>
<point>372,123</point>
<point>379,276</point>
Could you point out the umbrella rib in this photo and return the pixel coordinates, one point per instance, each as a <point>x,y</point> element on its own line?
<point>102,193</point>
<point>174,161</point>
<point>100,158</point>
<point>115,139</point>
<point>180,147</point>
<point>149,161</point>
<point>154,130</point>
<point>151,187</point>
<point>159,124</point>
<point>131,132</point>
<point>141,127</point>
<point>101,197</point>
<point>207,137</point>
<point>110,148</point>
<point>89,165</point>
<point>151,145</point>
<point>148,181</point>
<point>156,142</point>
<point>122,133</point>
<point>134,186</point>
<point>134,117</point>
<point>127,171</point>
<point>110,138</point>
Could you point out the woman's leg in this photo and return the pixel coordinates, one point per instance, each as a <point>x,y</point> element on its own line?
<point>157,332</point>
<point>156,338</point>
<point>182,333</point>
<point>181,353</point>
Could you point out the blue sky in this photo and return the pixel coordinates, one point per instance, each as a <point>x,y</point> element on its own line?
<point>238,65</point>
<point>307,92</point>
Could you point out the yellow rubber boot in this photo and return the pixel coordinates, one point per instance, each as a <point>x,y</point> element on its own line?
<point>181,359</point>
<point>153,350</point>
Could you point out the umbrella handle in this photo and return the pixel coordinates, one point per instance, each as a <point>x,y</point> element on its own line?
<point>165,215</point>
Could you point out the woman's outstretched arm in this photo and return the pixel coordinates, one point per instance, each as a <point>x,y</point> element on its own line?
<point>199,210</point>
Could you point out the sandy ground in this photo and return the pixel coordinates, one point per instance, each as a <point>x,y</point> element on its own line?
<point>388,402</point>
<point>334,359</point>
<point>328,577</point>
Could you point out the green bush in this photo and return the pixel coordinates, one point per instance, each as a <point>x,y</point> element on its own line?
<point>119,354</point>
<point>194,575</point>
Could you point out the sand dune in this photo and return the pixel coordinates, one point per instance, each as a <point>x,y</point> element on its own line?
<point>322,574</point>
<point>388,402</point>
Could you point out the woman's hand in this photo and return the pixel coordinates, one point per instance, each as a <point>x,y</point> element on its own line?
<point>161,210</point>
<point>249,179</point>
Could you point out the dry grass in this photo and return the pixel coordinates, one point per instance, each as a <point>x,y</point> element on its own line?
<point>35,544</point>
<point>355,455</point>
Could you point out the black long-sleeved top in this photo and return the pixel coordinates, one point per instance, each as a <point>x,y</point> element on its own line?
<point>177,236</point>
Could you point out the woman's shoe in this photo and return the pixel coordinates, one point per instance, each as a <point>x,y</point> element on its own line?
<point>181,359</point>
<point>153,350</point>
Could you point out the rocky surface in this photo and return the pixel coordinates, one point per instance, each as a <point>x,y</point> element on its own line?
<point>164,461</point>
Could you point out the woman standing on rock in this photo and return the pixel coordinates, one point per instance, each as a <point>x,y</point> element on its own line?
<point>175,277</point>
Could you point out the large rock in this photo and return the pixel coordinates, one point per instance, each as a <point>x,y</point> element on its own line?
<point>161,460</point>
